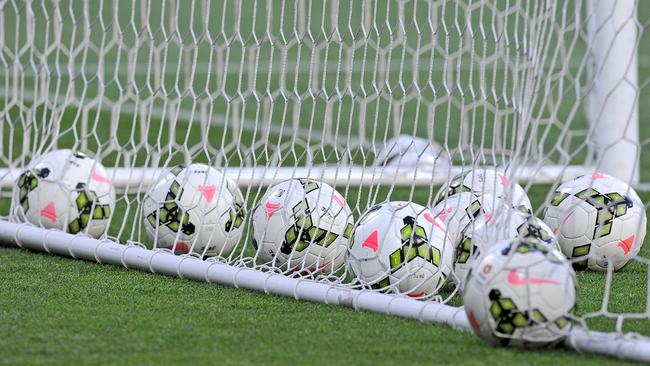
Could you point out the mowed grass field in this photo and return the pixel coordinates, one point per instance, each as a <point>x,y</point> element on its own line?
<point>57,310</point>
<point>64,311</point>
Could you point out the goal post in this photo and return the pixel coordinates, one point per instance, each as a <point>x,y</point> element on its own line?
<point>382,100</point>
<point>613,34</point>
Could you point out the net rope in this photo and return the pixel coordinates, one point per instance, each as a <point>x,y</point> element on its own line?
<point>318,89</point>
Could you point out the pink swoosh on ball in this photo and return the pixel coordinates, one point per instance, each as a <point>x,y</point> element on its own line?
<point>514,278</point>
<point>270,208</point>
<point>98,177</point>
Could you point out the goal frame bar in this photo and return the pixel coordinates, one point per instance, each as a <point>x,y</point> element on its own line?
<point>136,180</point>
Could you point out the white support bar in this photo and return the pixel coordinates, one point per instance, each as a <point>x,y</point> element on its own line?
<point>162,262</point>
<point>614,93</point>
<point>139,179</point>
<point>626,347</point>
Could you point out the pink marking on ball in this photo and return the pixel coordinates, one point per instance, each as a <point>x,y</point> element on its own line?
<point>49,212</point>
<point>271,208</point>
<point>94,175</point>
<point>208,192</point>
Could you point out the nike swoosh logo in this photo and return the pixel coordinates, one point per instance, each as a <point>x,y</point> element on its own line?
<point>94,175</point>
<point>271,208</point>
<point>514,278</point>
<point>442,215</point>
<point>417,295</point>
<point>338,199</point>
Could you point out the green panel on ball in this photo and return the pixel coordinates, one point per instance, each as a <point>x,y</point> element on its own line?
<point>85,219</point>
<point>519,320</point>
<point>603,230</point>
<point>82,200</point>
<point>98,212</point>
<point>562,322</point>
<point>410,253</point>
<point>537,315</point>
<point>152,219</point>
<point>301,245</point>
<point>290,236</point>
<point>437,255</point>
<point>173,226</point>
<point>423,252</point>
<point>507,328</point>
<point>495,309</point>
<point>329,239</point>
<point>163,214</point>
<point>395,259</point>
<point>589,192</point>
<point>507,304</point>
<point>406,232</point>
<point>348,231</point>
<point>474,209</point>
<point>581,250</point>
<point>419,231</point>
<point>74,227</point>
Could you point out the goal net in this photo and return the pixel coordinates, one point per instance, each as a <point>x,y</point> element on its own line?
<point>385,101</point>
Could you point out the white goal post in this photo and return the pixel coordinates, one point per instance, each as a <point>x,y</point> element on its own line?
<point>269,90</point>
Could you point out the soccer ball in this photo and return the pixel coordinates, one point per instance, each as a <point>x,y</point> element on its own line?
<point>520,294</point>
<point>507,224</point>
<point>402,246</point>
<point>600,217</point>
<point>487,181</point>
<point>65,190</point>
<point>302,225</point>
<point>407,151</point>
<point>458,211</point>
<point>194,209</point>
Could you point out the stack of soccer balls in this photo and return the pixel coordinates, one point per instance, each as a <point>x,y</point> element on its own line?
<point>515,271</point>
<point>305,227</point>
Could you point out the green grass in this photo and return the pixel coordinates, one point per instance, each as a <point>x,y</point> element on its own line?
<point>65,311</point>
<point>61,311</point>
<point>56,310</point>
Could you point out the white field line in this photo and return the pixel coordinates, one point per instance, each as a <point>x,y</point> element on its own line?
<point>181,115</point>
<point>290,67</point>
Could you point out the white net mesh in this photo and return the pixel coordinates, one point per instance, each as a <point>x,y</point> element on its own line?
<point>385,101</point>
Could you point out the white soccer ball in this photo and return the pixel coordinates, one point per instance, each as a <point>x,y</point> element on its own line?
<point>506,224</point>
<point>194,209</point>
<point>406,151</point>
<point>520,294</point>
<point>487,181</point>
<point>302,225</point>
<point>403,247</point>
<point>600,217</point>
<point>458,211</point>
<point>65,190</point>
